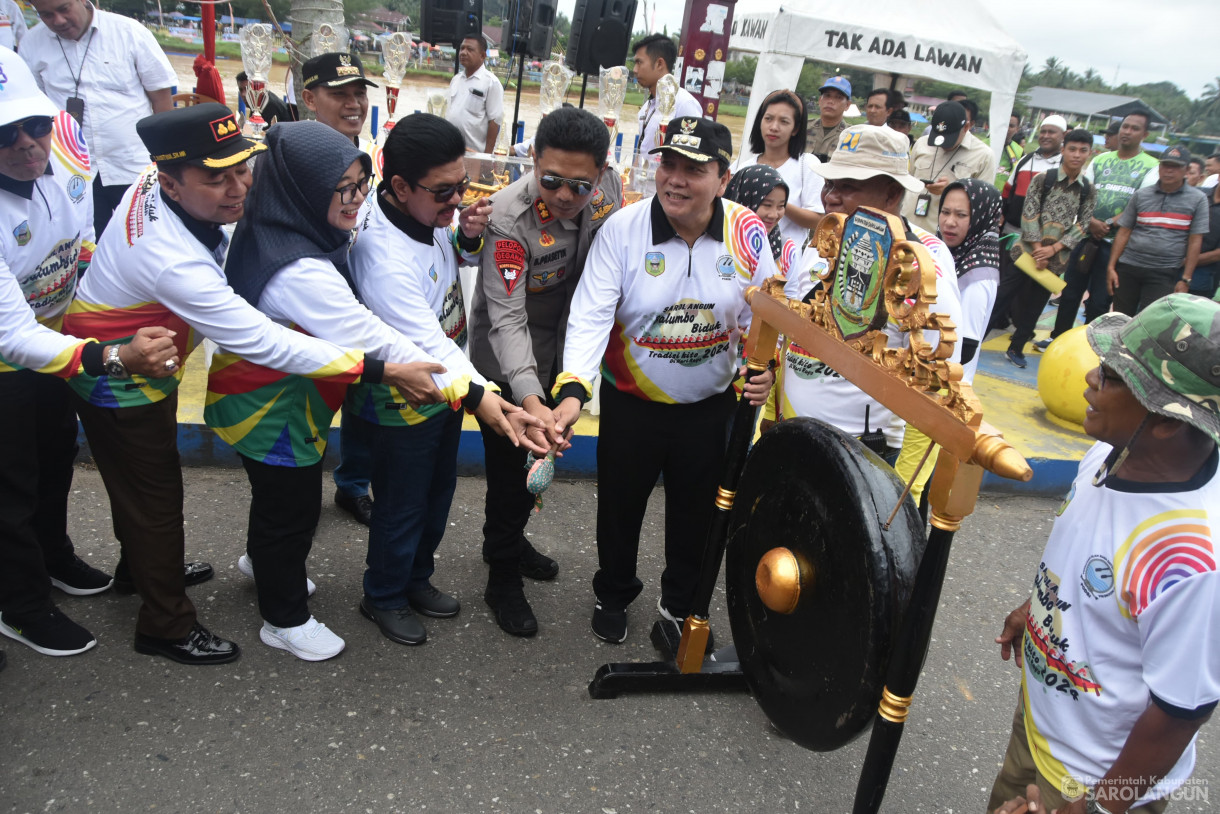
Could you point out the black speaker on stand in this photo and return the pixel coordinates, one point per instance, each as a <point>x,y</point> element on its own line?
<point>450,21</point>
<point>601,32</point>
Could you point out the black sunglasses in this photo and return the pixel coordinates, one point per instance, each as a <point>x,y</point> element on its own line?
<point>34,127</point>
<point>1104,374</point>
<point>446,193</point>
<point>578,186</point>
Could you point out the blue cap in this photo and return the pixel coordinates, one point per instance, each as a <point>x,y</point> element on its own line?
<point>838,83</point>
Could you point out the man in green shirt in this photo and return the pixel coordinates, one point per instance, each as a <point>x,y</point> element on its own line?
<point>1116,176</point>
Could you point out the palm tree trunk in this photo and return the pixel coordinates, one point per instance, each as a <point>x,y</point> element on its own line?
<point>306,15</point>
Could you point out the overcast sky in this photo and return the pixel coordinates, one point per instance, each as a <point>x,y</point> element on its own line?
<point>1130,39</point>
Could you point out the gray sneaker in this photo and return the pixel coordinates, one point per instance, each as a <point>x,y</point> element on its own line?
<point>397,624</point>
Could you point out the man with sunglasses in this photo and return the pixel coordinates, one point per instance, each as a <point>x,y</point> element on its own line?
<point>47,232</point>
<point>540,232</point>
<point>404,263</point>
<point>1117,646</point>
<point>164,268</point>
<point>661,313</point>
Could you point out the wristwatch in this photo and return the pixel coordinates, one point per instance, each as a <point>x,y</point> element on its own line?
<point>1091,804</point>
<point>115,368</point>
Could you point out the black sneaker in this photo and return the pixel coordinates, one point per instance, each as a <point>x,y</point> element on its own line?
<point>513,612</point>
<point>50,633</point>
<point>536,565</point>
<point>432,602</point>
<point>680,623</point>
<point>397,624</point>
<point>79,578</point>
<point>359,507</point>
<point>609,625</point>
<point>533,563</point>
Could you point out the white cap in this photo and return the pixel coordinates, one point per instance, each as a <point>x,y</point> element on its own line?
<point>20,97</point>
<point>1055,121</point>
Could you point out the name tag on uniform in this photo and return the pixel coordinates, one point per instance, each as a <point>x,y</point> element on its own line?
<point>478,93</point>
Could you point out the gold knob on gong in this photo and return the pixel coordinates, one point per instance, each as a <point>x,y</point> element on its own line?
<point>779,579</point>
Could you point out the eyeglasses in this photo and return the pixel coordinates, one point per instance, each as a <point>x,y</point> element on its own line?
<point>446,193</point>
<point>578,186</point>
<point>1104,374</point>
<point>34,127</point>
<point>347,193</point>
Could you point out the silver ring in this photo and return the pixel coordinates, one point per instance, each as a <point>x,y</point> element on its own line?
<point>170,364</point>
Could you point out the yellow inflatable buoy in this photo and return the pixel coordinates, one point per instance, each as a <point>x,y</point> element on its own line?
<point>1061,373</point>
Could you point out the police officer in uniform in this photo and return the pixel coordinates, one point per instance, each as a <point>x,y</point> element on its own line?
<point>540,231</point>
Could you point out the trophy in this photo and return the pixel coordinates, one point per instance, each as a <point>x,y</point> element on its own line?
<point>438,104</point>
<point>256,47</point>
<point>667,99</point>
<point>328,39</point>
<point>612,90</point>
<point>395,52</point>
<point>555,81</point>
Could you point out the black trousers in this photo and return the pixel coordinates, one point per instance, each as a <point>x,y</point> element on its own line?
<point>37,447</point>
<point>507,506</point>
<point>1028,304</point>
<point>105,198</point>
<point>637,442</point>
<point>1012,281</point>
<point>136,452</point>
<point>1078,281</point>
<point>1139,287</point>
<point>285,505</point>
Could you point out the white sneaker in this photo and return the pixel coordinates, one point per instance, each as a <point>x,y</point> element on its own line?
<point>246,567</point>
<point>665,614</point>
<point>312,641</point>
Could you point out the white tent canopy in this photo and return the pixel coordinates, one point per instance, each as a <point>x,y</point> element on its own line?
<point>954,41</point>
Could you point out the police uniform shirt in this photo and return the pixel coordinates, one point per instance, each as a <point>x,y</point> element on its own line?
<point>663,321</point>
<point>650,120</point>
<point>47,230</point>
<point>530,265</point>
<point>118,62</point>
<point>474,101</point>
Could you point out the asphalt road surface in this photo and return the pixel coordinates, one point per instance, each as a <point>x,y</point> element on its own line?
<point>475,720</point>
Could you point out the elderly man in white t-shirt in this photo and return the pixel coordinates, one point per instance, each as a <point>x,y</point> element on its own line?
<point>476,98</point>
<point>108,72</point>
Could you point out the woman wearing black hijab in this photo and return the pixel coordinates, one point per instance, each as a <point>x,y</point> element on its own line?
<point>763,190</point>
<point>970,212</point>
<point>289,259</point>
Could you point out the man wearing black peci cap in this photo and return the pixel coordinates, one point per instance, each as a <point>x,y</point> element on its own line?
<point>164,268</point>
<point>660,311</point>
<point>336,90</point>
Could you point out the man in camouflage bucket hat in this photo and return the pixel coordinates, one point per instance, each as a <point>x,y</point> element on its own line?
<point>1117,647</point>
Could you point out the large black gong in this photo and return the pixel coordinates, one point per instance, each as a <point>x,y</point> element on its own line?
<point>815,624</point>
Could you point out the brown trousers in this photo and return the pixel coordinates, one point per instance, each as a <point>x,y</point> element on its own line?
<point>1019,771</point>
<point>136,452</point>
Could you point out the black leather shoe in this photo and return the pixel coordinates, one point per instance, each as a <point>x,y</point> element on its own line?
<point>194,572</point>
<point>513,612</point>
<point>199,646</point>
<point>534,564</point>
<point>360,507</point>
<point>431,602</point>
<point>398,624</point>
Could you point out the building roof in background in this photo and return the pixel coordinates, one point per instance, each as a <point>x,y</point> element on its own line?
<point>1087,103</point>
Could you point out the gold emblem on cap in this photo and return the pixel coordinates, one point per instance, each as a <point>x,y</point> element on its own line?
<point>345,60</point>
<point>688,125</point>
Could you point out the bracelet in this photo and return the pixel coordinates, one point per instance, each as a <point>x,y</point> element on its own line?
<point>1184,280</point>
<point>1092,806</point>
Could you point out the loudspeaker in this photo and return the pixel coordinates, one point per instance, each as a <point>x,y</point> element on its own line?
<point>601,32</point>
<point>542,29</point>
<point>514,37</point>
<point>450,21</point>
